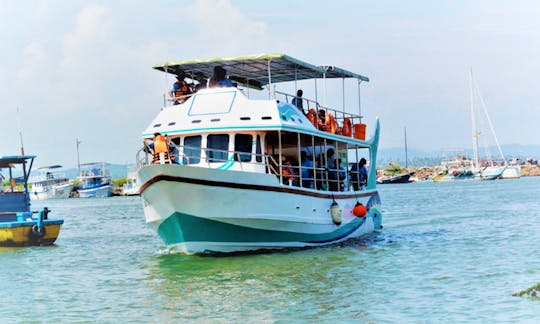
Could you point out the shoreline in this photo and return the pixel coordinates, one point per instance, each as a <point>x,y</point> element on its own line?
<point>426,173</point>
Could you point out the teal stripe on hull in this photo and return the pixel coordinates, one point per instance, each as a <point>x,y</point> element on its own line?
<point>180,228</point>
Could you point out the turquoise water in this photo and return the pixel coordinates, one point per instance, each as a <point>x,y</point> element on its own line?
<point>449,252</point>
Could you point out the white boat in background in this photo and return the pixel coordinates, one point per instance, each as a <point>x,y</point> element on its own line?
<point>94,180</point>
<point>50,184</point>
<point>465,169</point>
<point>512,172</point>
<point>132,185</point>
<point>251,173</point>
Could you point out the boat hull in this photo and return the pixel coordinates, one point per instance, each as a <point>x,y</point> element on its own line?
<point>512,172</point>
<point>243,211</point>
<point>403,178</point>
<point>55,192</point>
<point>97,192</point>
<point>20,233</point>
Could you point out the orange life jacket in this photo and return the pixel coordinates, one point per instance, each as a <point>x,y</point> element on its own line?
<point>160,145</point>
<point>183,91</point>
<point>330,124</point>
<point>313,117</point>
<point>287,172</point>
<point>347,127</point>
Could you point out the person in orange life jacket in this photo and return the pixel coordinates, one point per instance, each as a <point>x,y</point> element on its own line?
<point>160,144</point>
<point>288,172</point>
<point>180,89</point>
<point>219,79</point>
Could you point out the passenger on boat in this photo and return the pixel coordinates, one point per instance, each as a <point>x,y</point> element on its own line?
<point>297,101</point>
<point>160,147</point>
<point>180,90</point>
<point>288,172</point>
<point>342,174</point>
<point>322,118</point>
<point>199,77</point>
<point>330,159</point>
<point>322,173</point>
<point>359,174</point>
<point>219,79</point>
<point>307,170</point>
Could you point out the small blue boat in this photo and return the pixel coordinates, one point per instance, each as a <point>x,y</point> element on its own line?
<point>19,226</point>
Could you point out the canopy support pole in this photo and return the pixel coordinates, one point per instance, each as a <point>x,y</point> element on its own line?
<point>359,101</point>
<point>269,81</point>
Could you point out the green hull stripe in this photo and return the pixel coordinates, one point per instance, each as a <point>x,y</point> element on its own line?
<point>179,228</point>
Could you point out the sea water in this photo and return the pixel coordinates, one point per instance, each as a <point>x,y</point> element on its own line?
<point>449,252</point>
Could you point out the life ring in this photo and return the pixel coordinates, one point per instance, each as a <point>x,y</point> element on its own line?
<point>331,125</point>
<point>313,117</point>
<point>35,232</point>
<point>347,127</point>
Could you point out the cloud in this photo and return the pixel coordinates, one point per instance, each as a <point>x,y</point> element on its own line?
<point>35,58</point>
<point>226,28</point>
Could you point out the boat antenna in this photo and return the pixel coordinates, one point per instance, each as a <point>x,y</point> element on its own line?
<point>20,131</point>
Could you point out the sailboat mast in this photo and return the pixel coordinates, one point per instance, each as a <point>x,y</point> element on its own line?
<point>406,157</point>
<point>486,113</point>
<point>473,121</point>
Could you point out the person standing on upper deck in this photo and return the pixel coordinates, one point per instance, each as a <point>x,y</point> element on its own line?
<point>297,101</point>
<point>219,79</point>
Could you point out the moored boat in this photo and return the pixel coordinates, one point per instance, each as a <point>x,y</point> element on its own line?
<point>246,174</point>
<point>94,180</point>
<point>19,226</point>
<point>50,184</point>
<point>398,178</point>
<point>132,185</point>
<point>465,169</point>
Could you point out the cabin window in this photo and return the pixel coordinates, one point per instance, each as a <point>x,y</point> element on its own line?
<point>243,143</point>
<point>217,147</point>
<point>192,149</point>
<point>258,149</point>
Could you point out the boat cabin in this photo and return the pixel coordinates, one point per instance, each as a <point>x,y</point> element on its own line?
<point>14,197</point>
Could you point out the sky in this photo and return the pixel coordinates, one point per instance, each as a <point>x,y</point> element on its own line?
<point>82,69</point>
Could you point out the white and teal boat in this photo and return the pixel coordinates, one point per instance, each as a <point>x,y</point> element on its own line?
<point>252,173</point>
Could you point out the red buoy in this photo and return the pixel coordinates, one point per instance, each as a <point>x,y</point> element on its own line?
<point>359,210</point>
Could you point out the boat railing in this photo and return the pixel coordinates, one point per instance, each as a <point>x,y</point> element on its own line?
<point>320,177</point>
<point>339,115</point>
<point>169,100</point>
<point>48,176</point>
<point>328,119</point>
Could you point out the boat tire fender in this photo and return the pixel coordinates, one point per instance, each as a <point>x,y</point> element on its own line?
<point>36,232</point>
<point>335,212</point>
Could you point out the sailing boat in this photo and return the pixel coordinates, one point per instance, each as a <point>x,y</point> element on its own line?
<point>463,169</point>
<point>403,177</point>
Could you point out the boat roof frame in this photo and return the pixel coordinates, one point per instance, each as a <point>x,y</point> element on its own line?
<point>9,161</point>
<point>258,70</point>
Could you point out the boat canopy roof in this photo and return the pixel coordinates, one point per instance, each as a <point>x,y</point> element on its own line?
<point>94,163</point>
<point>254,70</point>
<point>56,166</point>
<point>8,161</point>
